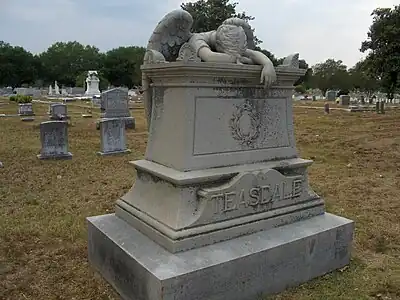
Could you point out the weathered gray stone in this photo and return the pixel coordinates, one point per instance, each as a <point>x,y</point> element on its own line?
<point>54,139</point>
<point>221,207</point>
<point>114,104</point>
<point>344,100</point>
<point>58,111</point>
<point>330,95</point>
<point>113,139</point>
<point>266,262</point>
<point>25,109</point>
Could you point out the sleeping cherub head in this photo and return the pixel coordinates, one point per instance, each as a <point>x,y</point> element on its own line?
<point>231,39</point>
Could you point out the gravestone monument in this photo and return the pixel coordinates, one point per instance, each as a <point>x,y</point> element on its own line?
<point>330,95</point>
<point>92,83</point>
<point>113,139</point>
<point>25,109</point>
<point>221,207</point>
<point>50,90</point>
<point>54,139</point>
<point>56,88</point>
<point>344,100</point>
<point>58,111</point>
<point>114,104</point>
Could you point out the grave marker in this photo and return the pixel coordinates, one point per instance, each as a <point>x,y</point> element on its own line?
<point>113,140</point>
<point>54,140</point>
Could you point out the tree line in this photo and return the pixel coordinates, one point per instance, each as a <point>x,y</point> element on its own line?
<point>68,62</point>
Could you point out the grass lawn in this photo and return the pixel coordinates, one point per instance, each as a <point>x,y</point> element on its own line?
<point>43,204</point>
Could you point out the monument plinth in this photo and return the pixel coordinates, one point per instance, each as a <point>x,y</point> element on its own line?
<point>221,207</point>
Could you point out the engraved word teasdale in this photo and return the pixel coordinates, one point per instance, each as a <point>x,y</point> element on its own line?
<point>263,193</point>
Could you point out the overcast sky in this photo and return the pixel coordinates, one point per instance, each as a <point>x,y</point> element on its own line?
<point>317,29</point>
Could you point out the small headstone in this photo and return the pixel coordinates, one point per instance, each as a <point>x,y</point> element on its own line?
<point>326,108</point>
<point>330,95</point>
<point>25,109</point>
<point>377,107</point>
<point>114,104</point>
<point>113,139</point>
<point>345,100</point>
<point>58,111</point>
<point>54,139</point>
<point>382,107</point>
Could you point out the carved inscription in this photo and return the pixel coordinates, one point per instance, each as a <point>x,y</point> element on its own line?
<point>258,192</point>
<point>256,196</point>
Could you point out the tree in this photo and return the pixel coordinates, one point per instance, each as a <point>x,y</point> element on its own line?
<point>65,61</point>
<point>362,79</point>
<point>330,74</point>
<point>208,15</point>
<point>384,45</point>
<point>17,66</point>
<point>122,66</point>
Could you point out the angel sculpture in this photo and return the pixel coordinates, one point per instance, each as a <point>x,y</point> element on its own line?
<point>232,42</point>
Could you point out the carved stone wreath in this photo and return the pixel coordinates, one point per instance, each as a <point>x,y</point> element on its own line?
<point>245,139</point>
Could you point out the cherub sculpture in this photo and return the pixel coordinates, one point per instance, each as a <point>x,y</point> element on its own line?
<point>232,42</point>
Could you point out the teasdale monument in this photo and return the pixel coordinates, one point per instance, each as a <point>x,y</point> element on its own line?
<point>221,207</point>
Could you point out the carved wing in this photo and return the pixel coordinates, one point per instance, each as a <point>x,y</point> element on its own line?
<point>171,33</point>
<point>247,29</point>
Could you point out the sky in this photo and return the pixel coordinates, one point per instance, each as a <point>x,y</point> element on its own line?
<point>317,29</point>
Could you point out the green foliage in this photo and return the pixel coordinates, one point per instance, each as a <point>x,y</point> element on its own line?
<point>21,99</point>
<point>383,43</point>
<point>17,66</point>
<point>122,66</point>
<point>362,79</point>
<point>331,74</point>
<point>208,15</point>
<point>300,89</point>
<point>65,61</point>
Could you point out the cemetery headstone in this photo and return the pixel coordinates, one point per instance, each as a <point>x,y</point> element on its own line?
<point>326,108</point>
<point>382,107</point>
<point>58,111</point>
<point>344,100</point>
<point>54,140</point>
<point>25,109</point>
<point>114,104</point>
<point>330,95</point>
<point>221,207</point>
<point>113,139</point>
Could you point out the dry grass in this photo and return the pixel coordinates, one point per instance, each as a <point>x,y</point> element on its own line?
<point>44,203</point>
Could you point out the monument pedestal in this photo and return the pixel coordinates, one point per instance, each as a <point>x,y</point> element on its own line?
<point>221,207</point>
<point>243,268</point>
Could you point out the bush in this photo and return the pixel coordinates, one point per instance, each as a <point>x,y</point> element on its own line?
<point>21,99</point>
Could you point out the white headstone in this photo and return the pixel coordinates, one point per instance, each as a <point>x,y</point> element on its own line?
<point>56,88</point>
<point>92,83</point>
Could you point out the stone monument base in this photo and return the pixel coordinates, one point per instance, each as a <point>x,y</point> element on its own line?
<point>114,152</point>
<point>62,156</point>
<point>242,268</point>
<point>129,123</point>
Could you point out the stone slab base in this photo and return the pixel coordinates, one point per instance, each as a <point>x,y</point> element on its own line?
<point>243,268</point>
<point>114,152</point>
<point>28,119</point>
<point>130,123</point>
<point>65,156</point>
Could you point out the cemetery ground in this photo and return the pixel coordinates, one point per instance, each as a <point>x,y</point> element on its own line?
<point>43,236</point>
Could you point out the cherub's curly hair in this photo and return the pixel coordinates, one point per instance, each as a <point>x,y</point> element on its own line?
<point>231,39</point>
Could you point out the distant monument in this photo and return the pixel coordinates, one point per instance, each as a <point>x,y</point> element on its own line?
<point>56,88</point>
<point>92,83</point>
